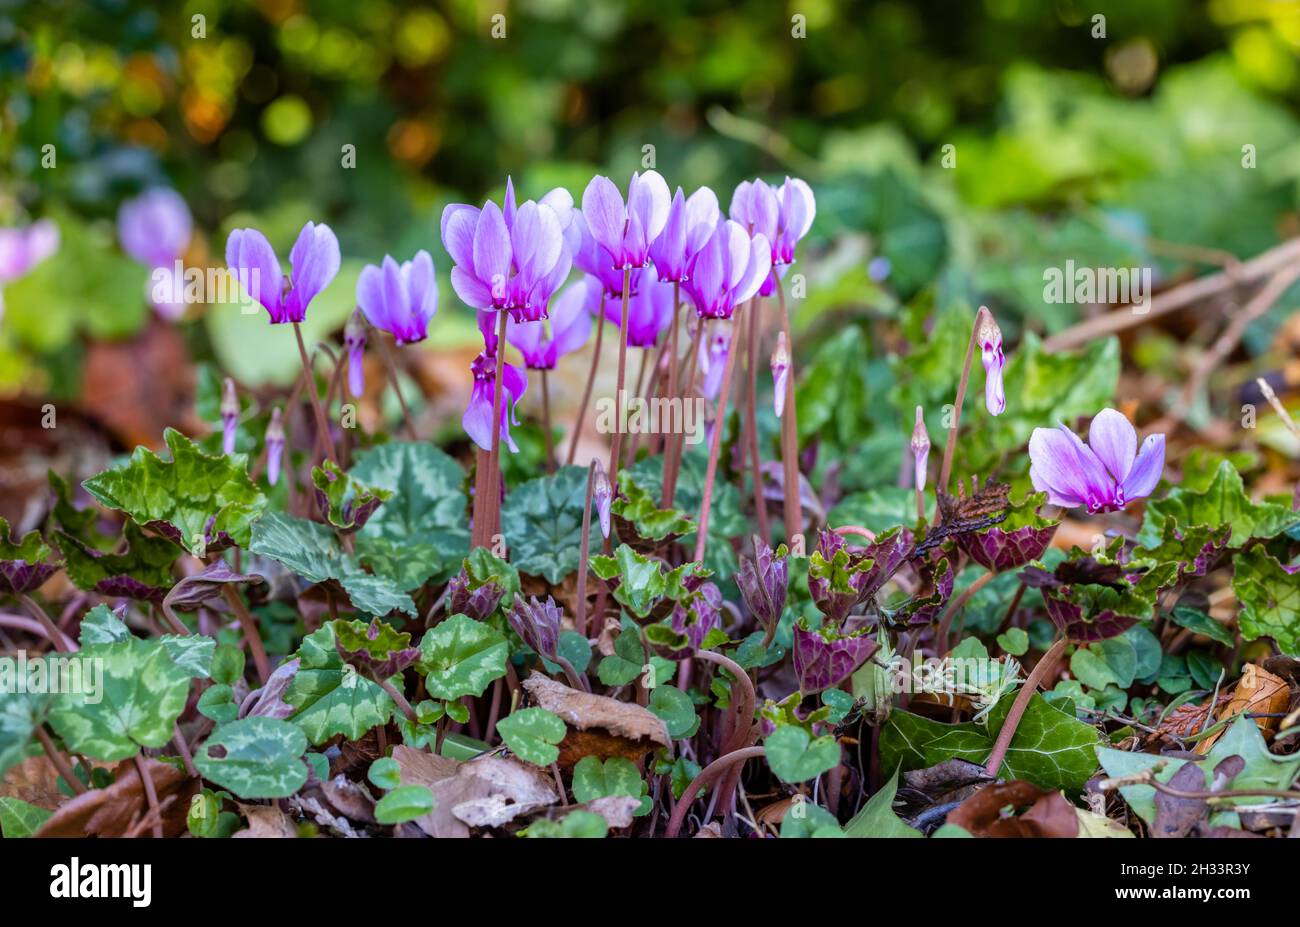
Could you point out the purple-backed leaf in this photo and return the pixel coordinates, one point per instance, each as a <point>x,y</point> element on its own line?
<point>824,658</point>
<point>193,591</point>
<point>377,650</point>
<point>142,570</point>
<point>344,502</point>
<point>22,564</point>
<point>1093,611</point>
<point>1068,617</point>
<point>1014,542</point>
<point>1194,549</point>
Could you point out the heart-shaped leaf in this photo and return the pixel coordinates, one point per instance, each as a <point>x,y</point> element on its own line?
<point>617,775</point>
<point>795,756</point>
<point>260,758</point>
<point>532,734</point>
<point>332,699</point>
<point>461,656</point>
<point>542,523</point>
<point>404,803</point>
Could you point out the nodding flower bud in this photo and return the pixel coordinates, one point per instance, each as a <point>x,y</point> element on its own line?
<point>274,447</point>
<point>537,623</point>
<point>229,416</point>
<point>764,582</point>
<point>989,338</point>
<point>603,495</point>
<point>920,447</point>
<point>354,341</point>
<point>780,372</point>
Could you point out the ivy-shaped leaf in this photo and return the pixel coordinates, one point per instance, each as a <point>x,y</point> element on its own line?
<point>141,693</point>
<point>426,516</point>
<point>22,563</point>
<point>329,699</point>
<point>1224,503</point>
<point>1050,748</point>
<point>642,581</point>
<point>795,756</point>
<point>542,523</point>
<point>1269,594</point>
<point>263,758</point>
<point>532,734</point>
<point>201,502</point>
<point>642,515</point>
<point>877,817</point>
<point>461,656</point>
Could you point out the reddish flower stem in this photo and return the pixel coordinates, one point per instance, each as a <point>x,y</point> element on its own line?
<point>715,769</point>
<point>1008,730</point>
<point>546,423</point>
<point>580,620</point>
<point>249,626</point>
<point>150,795</point>
<point>673,452</point>
<point>616,444</point>
<point>591,379</point>
<point>751,424</point>
<point>47,624</point>
<point>324,439</point>
<point>492,502</point>
<point>715,446</point>
<point>790,433</point>
<point>946,470</point>
<point>391,367</point>
<point>59,761</point>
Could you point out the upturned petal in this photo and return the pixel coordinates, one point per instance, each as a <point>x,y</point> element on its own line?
<point>1146,470</point>
<point>250,258</point>
<point>1114,441</point>
<point>605,215</point>
<point>155,227</point>
<point>314,263</point>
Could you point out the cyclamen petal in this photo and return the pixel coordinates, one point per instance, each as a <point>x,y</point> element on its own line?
<point>22,249</point>
<point>251,259</point>
<point>314,263</point>
<point>780,373</point>
<point>1073,473</point>
<point>155,227</point>
<point>1114,441</point>
<point>1147,468</point>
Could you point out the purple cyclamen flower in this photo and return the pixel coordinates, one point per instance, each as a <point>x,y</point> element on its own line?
<point>1105,474</point>
<point>314,263</point>
<point>728,270</point>
<point>354,342</point>
<point>920,445</point>
<point>537,623</point>
<point>400,299</point>
<point>712,360</point>
<point>989,337</point>
<point>603,495</point>
<point>780,372</point>
<point>649,312</point>
<point>477,420</point>
<point>274,447</point>
<point>590,257</point>
<point>155,227</point>
<point>626,232</point>
<point>22,249</point>
<point>798,208</point>
<point>754,205</point>
<point>513,260</point>
<point>782,215</point>
<point>569,323</point>
<point>690,223</point>
<point>229,416</point>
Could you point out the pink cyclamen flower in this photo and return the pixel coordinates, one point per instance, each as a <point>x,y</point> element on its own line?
<point>798,208</point>
<point>782,215</point>
<point>155,227</point>
<point>649,312</point>
<point>354,341</point>
<point>712,360</point>
<point>1105,474</point>
<point>603,495</point>
<point>314,263</point>
<point>511,260</point>
<point>626,231</point>
<point>920,446</point>
<point>780,372</point>
<point>477,420</point>
<point>400,298</point>
<point>690,223</point>
<point>274,447</point>
<point>989,337</point>
<point>569,323</point>
<point>728,270</point>
<point>229,416</point>
<point>590,257</point>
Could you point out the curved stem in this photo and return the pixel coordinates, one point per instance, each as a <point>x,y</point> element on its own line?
<point>576,680</point>
<point>715,769</point>
<point>946,470</point>
<point>249,626</point>
<point>322,426</point>
<point>715,446</point>
<point>591,379</point>
<point>51,630</point>
<point>744,711</point>
<point>790,433</point>
<point>150,794</point>
<point>399,700</point>
<point>31,626</point>
<point>1008,730</point>
<point>856,530</point>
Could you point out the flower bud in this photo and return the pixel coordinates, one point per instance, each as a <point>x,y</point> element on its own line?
<point>274,447</point>
<point>920,448</point>
<point>229,416</point>
<point>780,372</point>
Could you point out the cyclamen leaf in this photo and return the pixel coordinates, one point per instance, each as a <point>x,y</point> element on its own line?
<point>725,518</point>
<point>142,693</point>
<point>22,564</point>
<point>404,803</point>
<point>20,714</point>
<point>1195,620</point>
<point>1269,594</point>
<point>642,581</point>
<point>263,758</point>
<point>461,656</point>
<point>201,502</point>
<point>641,512</point>
<point>426,515</point>
<point>312,551</point>
<point>617,775</point>
<point>532,734</point>
<point>877,817</point>
<point>1194,548</point>
<point>142,571</point>
<point>329,699</point>
<point>542,523</point>
<point>102,626</point>
<point>1223,503</point>
<point>343,501</point>
<point>675,708</point>
<point>795,756</point>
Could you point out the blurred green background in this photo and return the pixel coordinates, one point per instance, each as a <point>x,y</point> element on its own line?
<point>1065,144</point>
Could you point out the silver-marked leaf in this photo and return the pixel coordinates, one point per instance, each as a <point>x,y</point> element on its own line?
<point>461,656</point>
<point>542,523</point>
<point>532,734</point>
<point>258,758</point>
<point>329,698</point>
